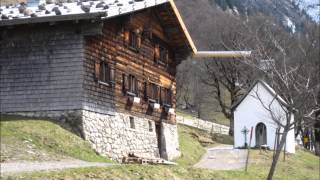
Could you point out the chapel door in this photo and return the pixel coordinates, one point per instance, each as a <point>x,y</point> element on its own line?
<point>261,134</point>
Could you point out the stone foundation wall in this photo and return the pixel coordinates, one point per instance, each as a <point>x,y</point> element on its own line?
<point>170,141</point>
<point>113,136</point>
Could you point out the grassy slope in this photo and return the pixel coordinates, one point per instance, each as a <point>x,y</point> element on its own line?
<point>25,139</point>
<point>302,165</point>
<point>219,118</point>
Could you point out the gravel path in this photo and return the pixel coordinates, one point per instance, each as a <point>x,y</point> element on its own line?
<point>24,166</point>
<point>223,157</point>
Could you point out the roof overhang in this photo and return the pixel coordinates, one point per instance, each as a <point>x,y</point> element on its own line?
<point>222,54</point>
<point>205,54</point>
<point>100,14</point>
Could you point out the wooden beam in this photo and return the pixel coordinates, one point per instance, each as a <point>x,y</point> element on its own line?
<point>183,26</point>
<point>222,54</point>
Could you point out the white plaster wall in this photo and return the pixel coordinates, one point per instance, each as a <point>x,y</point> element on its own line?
<point>251,112</point>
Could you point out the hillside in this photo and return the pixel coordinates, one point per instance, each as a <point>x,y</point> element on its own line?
<point>41,140</point>
<point>58,142</point>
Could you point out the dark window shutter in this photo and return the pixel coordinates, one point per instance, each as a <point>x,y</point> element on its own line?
<point>167,56</point>
<point>138,41</point>
<point>97,70</point>
<point>102,72</point>
<point>157,93</point>
<point>125,83</point>
<point>112,75</point>
<point>162,95</point>
<point>135,86</point>
<point>156,52</point>
<point>145,90</point>
<point>107,72</point>
<point>169,96</point>
<point>126,36</point>
<point>149,90</point>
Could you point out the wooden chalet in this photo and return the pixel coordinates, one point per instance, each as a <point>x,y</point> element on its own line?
<point>109,71</point>
<point>106,67</point>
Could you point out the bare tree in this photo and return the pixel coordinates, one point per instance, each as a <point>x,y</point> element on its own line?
<point>228,79</point>
<point>294,75</point>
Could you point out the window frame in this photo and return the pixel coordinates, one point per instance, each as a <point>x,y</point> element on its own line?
<point>130,85</point>
<point>132,123</point>
<point>150,126</point>
<point>161,52</point>
<point>106,74</point>
<point>152,92</point>
<point>166,97</point>
<point>133,40</point>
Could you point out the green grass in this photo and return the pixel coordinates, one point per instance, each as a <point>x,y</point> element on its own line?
<point>216,117</point>
<point>190,146</point>
<point>302,165</point>
<point>34,139</point>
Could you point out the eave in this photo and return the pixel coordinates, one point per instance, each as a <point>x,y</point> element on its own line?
<point>205,54</point>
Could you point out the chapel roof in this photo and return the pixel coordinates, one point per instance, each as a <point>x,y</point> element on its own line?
<point>267,87</point>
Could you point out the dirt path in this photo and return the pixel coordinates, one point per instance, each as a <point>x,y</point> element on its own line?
<point>24,166</point>
<point>223,157</point>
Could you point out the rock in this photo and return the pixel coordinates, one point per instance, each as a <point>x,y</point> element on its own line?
<point>100,5</point>
<point>56,10</point>
<point>4,16</point>
<point>27,12</point>
<point>85,8</point>
<point>34,15</point>
<point>49,1</point>
<point>42,7</point>
<point>106,7</point>
<point>21,9</point>
<point>59,4</point>
<point>47,12</point>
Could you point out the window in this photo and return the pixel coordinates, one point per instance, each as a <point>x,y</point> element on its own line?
<point>161,53</point>
<point>150,126</point>
<point>163,59</point>
<point>132,39</point>
<point>132,125</point>
<point>166,97</point>
<point>130,85</point>
<point>104,73</point>
<point>152,92</point>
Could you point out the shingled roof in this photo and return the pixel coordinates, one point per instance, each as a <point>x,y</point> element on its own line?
<point>61,10</point>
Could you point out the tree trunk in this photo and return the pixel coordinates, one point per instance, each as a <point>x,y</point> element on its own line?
<point>231,125</point>
<point>277,155</point>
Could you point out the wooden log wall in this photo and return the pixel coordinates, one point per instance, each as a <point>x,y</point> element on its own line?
<point>111,48</point>
<point>41,68</point>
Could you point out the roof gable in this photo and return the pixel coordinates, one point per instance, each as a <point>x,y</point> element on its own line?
<point>265,86</point>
